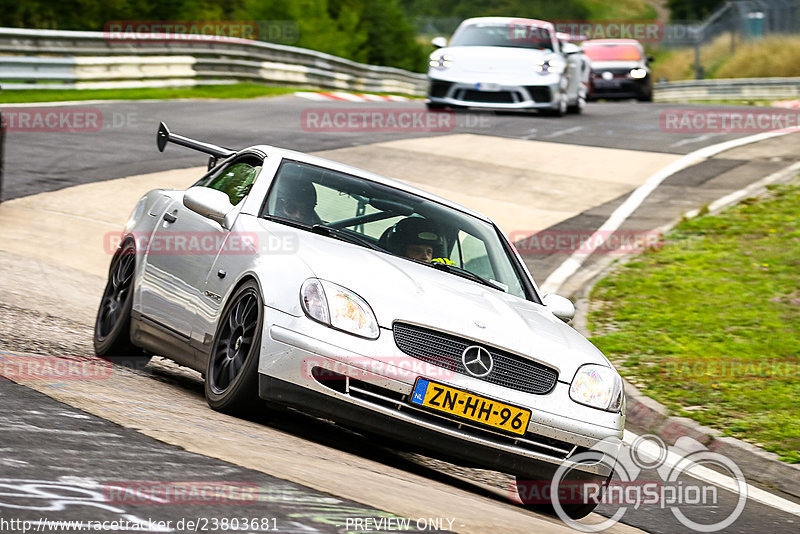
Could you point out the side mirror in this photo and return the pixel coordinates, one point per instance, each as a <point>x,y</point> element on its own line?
<point>559,306</point>
<point>210,203</point>
<point>650,59</point>
<point>439,42</point>
<point>569,49</point>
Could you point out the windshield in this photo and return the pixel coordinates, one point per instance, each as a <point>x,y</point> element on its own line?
<point>513,35</point>
<point>394,221</point>
<point>612,52</point>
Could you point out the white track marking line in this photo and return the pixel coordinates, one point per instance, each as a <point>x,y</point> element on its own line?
<point>563,132</point>
<point>571,265</point>
<point>691,140</point>
<point>705,474</point>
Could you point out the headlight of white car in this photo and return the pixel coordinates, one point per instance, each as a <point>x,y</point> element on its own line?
<point>638,73</point>
<point>597,386</point>
<point>551,65</point>
<point>440,61</point>
<point>338,307</point>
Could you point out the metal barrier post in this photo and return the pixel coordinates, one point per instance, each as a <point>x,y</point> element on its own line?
<point>2,149</point>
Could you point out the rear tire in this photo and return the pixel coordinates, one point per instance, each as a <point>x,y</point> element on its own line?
<point>231,384</point>
<point>112,327</point>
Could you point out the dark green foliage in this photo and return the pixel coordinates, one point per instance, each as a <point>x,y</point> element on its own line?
<point>692,9</point>
<point>373,31</point>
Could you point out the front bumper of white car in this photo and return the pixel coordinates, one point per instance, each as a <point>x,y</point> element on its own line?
<point>545,92</point>
<point>375,399</point>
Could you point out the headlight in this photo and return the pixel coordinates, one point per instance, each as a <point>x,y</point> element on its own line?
<point>338,307</point>
<point>638,73</point>
<point>597,386</point>
<point>553,65</point>
<point>440,61</point>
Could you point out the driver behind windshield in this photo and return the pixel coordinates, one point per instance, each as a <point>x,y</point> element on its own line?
<point>417,238</point>
<point>296,201</point>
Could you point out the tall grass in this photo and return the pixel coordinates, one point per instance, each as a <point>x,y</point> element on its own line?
<point>728,56</point>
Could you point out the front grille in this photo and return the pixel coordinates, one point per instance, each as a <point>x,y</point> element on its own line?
<point>539,93</point>
<point>386,398</point>
<point>439,89</point>
<point>444,350</point>
<point>491,97</point>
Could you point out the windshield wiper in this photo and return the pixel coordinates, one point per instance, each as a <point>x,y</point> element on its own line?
<point>344,235</point>
<point>289,222</point>
<point>460,271</point>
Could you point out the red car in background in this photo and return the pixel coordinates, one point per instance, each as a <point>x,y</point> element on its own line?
<point>619,69</point>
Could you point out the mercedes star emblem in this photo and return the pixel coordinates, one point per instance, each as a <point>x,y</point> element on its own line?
<point>477,361</point>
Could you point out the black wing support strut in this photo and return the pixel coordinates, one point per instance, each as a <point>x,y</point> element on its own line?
<point>163,136</point>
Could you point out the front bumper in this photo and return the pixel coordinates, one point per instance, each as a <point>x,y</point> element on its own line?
<point>539,94</point>
<point>376,402</point>
<point>619,88</point>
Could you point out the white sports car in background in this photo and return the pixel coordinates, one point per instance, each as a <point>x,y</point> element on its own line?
<point>344,294</point>
<point>507,63</point>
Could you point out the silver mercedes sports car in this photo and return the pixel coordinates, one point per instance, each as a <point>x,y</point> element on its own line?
<point>289,278</point>
<point>507,63</point>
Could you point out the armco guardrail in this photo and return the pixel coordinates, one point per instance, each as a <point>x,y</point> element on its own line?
<point>41,59</point>
<point>728,89</point>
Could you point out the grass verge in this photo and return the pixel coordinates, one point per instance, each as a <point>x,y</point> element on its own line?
<point>709,325</point>
<point>239,90</point>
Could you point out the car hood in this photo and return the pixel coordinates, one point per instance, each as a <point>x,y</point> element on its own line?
<point>497,61</point>
<point>398,289</point>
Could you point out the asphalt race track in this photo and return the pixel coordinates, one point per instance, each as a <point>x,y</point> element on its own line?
<point>66,447</point>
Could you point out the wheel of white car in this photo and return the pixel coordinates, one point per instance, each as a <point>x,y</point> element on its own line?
<point>535,495</point>
<point>577,108</point>
<point>112,327</point>
<point>232,369</point>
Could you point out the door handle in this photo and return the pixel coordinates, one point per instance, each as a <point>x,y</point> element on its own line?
<point>170,218</point>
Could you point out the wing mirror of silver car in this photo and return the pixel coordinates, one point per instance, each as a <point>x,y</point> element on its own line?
<point>210,203</point>
<point>559,306</point>
<point>439,42</point>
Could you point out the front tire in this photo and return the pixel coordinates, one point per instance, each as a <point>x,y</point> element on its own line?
<point>534,495</point>
<point>232,371</point>
<point>112,327</point>
<point>577,108</point>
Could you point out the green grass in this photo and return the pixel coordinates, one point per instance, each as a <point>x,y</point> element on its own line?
<point>242,90</point>
<point>204,91</point>
<point>723,291</point>
<point>619,10</point>
<point>731,57</point>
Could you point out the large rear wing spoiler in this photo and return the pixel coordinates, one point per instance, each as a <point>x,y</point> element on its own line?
<point>164,136</point>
